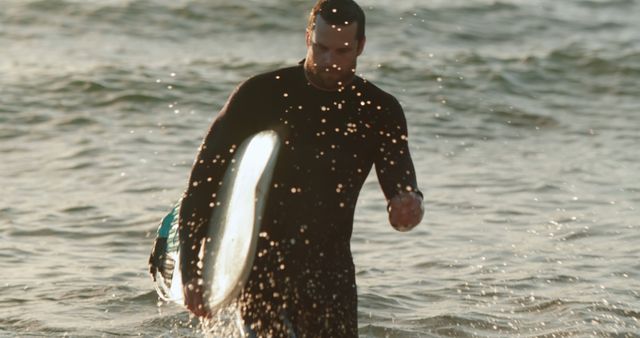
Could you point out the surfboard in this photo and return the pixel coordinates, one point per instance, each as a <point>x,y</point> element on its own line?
<point>233,229</point>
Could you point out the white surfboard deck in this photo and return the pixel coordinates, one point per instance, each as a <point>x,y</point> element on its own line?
<point>228,253</point>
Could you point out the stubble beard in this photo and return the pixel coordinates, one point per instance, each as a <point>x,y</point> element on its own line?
<point>332,79</point>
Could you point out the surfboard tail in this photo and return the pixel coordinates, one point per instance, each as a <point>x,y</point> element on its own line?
<point>165,258</point>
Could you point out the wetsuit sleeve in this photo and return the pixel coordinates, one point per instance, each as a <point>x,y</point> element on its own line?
<point>393,163</point>
<point>231,127</point>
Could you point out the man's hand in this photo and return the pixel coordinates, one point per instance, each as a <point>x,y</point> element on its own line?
<point>158,256</point>
<point>405,211</point>
<point>194,299</point>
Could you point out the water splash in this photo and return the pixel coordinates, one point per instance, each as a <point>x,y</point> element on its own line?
<point>227,322</point>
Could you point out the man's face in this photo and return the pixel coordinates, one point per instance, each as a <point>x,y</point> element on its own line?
<point>332,51</point>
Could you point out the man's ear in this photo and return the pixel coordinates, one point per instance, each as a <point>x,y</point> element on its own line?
<point>307,37</point>
<point>361,44</point>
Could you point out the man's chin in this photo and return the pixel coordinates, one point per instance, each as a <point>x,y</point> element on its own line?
<point>329,80</point>
<point>334,81</point>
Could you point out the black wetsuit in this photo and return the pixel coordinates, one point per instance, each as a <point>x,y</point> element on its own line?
<point>303,275</point>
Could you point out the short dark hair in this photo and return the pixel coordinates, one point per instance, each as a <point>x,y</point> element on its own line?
<point>340,13</point>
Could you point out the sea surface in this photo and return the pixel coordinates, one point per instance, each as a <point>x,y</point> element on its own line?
<point>524,123</point>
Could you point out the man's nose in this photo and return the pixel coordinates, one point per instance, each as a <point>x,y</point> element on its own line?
<point>329,60</point>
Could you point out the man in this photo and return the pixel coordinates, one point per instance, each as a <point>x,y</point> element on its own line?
<point>334,126</point>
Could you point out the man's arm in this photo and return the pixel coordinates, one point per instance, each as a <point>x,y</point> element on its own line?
<point>396,172</point>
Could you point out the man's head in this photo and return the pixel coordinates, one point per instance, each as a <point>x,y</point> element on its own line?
<point>335,38</point>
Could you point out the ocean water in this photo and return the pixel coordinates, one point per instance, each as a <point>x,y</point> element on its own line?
<point>524,122</point>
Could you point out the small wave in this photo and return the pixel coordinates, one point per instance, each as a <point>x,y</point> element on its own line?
<point>529,283</point>
<point>378,330</point>
<point>72,83</point>
<point>519,118</point>
<point>438,264</point>
<point>171,322</point>
<point>70,158</point>
<point>7,211</point>
<point>576,57</point>
<point>546,188</point>
<point>76,121</point>
<point>577,235</point>
<point>621,312</point>
<point>93,292</point>
<point>78,166</point>
<point>596,4</point>
<point>605,320</point>
<point>32,326</point>
<point>148,297</point>
<point>526,305</point>
<point>439,8</point>
<point>474,324</point>
<point>378,301</point>
<point>16,256</point>
<point>143,190</point>
<point>44,232</point>
<point>85,228</point>
<point>159,20</point>
<point>462,325</point>
<point>31,118</point>
<point>8,134</point>
<point>565,70</point>
<point>130,97</point>
<point>78,209</point>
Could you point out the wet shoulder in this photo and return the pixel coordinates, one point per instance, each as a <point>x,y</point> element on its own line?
<point>388,125</point>
<point>380,103</point>
<point>271,82</point>
<point>261,97</point>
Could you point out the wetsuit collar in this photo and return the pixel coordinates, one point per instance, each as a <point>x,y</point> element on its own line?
<point>301,64</point>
